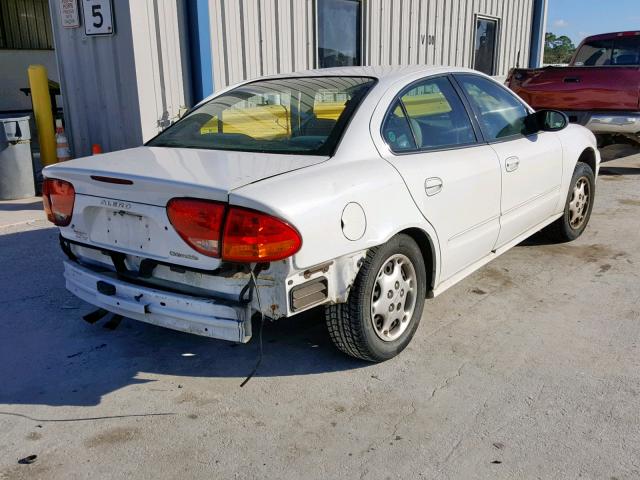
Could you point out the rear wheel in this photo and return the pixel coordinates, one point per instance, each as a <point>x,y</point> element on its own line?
<point>385,302</point>
<point>578,206</point>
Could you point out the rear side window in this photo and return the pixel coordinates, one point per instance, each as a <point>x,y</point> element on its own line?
<point>435,116</point>
<point>594,54</point>
<point>396,130</point>
<point>617,52</point>
<point>626,51</point>
<point>500,114</point>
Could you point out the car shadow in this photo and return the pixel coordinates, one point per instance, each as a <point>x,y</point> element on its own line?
<point>617,171</point>
<point>543,238</point>
<point>540,238</point>
<point>618,150</point>
<point>50,356</point>
<point>16,207</point>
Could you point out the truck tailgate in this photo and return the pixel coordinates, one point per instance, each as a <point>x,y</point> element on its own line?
<point>579,88</point>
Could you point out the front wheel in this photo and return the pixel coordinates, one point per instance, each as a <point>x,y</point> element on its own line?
<point>385,302</point>
<point>578,206</point>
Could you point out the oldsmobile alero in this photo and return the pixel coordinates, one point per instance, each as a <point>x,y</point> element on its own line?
<point>361,190</point>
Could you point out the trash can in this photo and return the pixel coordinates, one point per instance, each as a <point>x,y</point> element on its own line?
<point>16,166</point>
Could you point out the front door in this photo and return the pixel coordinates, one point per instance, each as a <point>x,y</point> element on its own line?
<point>531,165</point>
<point>453,178</point>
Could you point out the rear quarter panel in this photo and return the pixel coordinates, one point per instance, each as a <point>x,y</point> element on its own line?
<point>313,200</point>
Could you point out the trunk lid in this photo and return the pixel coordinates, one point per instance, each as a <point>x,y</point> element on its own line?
<point>159,174</point>
<point>131,217</point>
<point>578,88</point>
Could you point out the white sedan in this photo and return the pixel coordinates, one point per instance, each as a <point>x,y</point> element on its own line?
<point>361,190</point>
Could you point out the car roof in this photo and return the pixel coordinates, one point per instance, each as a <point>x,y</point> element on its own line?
<point>612,35</point>
<point>386,73</point>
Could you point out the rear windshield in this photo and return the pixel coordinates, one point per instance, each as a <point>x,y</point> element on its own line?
<point>285,115</point>
<point>618,51</point>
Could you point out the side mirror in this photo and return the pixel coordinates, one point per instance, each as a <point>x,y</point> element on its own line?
<point>546,121</point>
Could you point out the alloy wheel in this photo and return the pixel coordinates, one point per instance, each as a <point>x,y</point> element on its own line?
<point>393,299</point>
<point>579,203</point>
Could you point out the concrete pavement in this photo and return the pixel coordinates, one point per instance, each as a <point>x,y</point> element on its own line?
<point>21,212</point>
<point>527,369</point>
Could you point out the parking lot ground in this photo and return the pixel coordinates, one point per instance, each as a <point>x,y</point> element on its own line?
<point>15,213</point>
<point>530,368</point>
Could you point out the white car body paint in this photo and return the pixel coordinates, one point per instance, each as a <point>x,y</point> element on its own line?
<point>463,201</point>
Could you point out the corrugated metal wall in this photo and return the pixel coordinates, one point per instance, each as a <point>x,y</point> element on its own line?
<point>120,89</point>
<point>161,56</point>
<point>25,24</point>
<point>397,31</point>
<point>251,38</point>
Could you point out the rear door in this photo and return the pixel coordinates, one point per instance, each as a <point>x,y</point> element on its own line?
<point>453,178</point>
<point>531,166</point>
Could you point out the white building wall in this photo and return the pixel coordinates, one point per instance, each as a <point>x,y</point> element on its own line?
<point>122,89</point>
<point>397,31</point>
<point>260,37</point>
<point>251,38</point>
<point>160,55</point>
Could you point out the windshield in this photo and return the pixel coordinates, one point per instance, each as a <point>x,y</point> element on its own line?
<point>619,51</point>
<point>285,115</point>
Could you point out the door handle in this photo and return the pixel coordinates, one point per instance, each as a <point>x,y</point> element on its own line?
<point>511,164</point>
<point>433,185</point>
<point>571,80</point>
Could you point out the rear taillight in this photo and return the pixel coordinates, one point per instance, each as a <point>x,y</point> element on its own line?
<point>198,222</point>
<point>247,236</point>
<point>58,197</point>
<point>251,236</point>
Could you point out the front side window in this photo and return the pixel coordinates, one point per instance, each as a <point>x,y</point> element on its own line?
<point>435,114</point>
<point>287,115</point>
<point>338,33</point>
<point>500,114</point>
<point>621,51</point>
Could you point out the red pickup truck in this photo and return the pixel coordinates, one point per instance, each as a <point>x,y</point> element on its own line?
<point>600,88</point>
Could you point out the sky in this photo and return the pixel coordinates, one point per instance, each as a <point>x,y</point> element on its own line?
<point>580,18</point>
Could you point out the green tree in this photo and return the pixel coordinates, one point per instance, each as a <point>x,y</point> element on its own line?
<point>557,49</point>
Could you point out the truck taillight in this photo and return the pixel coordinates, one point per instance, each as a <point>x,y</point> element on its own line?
<point>251,236</point>
<point>58,197</point>
<point>198,222</point>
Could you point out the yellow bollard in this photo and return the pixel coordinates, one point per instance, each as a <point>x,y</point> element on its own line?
<point>41,99</point>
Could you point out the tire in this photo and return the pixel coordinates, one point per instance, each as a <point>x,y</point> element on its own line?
<point>396,266</point>
<point>567,227</point>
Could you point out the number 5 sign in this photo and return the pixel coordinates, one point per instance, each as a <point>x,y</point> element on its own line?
<point>98,19</point>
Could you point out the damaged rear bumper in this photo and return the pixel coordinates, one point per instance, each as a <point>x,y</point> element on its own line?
<point>207,317</point>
